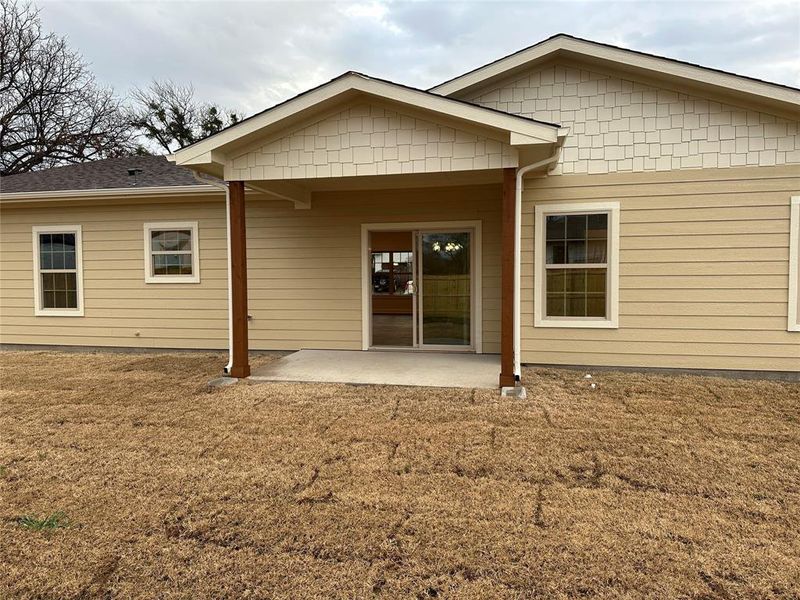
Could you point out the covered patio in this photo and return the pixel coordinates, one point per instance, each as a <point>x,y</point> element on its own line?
<point>423,369</point>
<point>365,153</point>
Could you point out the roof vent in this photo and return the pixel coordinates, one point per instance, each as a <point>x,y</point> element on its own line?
<point>133,173</point>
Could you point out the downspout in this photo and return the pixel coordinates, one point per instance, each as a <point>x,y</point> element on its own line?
<point>521,172</point>
<point>224,186</point>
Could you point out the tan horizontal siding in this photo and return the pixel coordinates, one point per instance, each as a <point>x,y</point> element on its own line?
<point>304,270</point>
<point>703,271</point>
<point>310,261</point>
<point>120,309</point>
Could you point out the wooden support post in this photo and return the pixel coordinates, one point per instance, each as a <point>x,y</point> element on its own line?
<point>507,280</point>
<point>240,366</point>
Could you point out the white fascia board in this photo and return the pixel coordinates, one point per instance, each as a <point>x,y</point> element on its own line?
<point>285,190</point>
<point>620,56</point>
<point>477,115</point>
<point>203,152</point>
<point>128,192</point>
<point>520,139</point>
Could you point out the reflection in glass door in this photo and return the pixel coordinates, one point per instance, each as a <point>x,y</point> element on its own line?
<point>392,302</point>
<point>445,288</point>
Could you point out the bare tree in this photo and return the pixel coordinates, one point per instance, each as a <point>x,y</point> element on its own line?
<point>51,109</point>
<point>167,114</point>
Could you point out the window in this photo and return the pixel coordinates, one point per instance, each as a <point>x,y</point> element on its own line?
<point>391,273</point>
<point>577,265</point>
<point>171,253</point>
<point>58,271</point>
<point>794,265</point>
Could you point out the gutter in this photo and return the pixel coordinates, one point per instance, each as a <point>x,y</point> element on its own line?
<point>126,192</point>
<point>521,172</point>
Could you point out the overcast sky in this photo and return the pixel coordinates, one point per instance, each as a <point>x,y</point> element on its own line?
<point>250,55</point>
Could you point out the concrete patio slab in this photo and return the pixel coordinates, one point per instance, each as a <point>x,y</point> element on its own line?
<point>427,369</point>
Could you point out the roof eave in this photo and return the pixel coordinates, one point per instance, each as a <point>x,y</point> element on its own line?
<point>762,92</point>
<point>209,154</point>
<point>131,192</point>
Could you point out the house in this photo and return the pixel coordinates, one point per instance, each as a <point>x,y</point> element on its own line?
<point>573,203</point>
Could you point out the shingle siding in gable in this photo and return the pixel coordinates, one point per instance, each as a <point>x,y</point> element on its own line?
<point>621,125</point>
<point>370,140</point>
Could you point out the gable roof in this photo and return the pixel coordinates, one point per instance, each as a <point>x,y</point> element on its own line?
<point>110,173</point>
<point>208,152</point>
<point>563,45</point>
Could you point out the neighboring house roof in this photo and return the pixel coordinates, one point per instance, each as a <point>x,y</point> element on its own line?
<point>110,173</point>
<point>567,46</point>
<point>208,154</point>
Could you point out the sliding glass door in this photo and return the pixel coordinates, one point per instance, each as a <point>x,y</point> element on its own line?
<point>422,289</point>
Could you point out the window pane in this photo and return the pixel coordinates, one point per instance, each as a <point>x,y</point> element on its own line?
<point>185,264</point>
<point>47,282</point>
<point>596,281</point>
<point>576,305</point>
<point>157,240</point>
<point>576,293</point>
<point>45,251</point>
<point>555,305</point>
<point>45,242</point>
<point>597,251</point>
<point>54,282</point>
<point>172,264</point>
<point>576,227</point>
<point>556,227</point>
<point>59,290</point>
<point>171,240</point>
<point>577,239</point>
<point>57,251</point>
<point>57,260</point>
<point>576,252</point>
<point>597,226</point>
<point>61,299</point>
<point>556,280</point>
<point>595,305</point>
<point>576,280</point>
<point>184,240</point>
<point>556,253</point>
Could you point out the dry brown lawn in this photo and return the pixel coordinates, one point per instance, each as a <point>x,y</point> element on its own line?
<point>648,486</point>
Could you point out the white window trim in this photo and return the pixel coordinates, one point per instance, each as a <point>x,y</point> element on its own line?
<point>794,250</point>
<point>539,318</point>
<point>38,308</point>
<point>148,255</point>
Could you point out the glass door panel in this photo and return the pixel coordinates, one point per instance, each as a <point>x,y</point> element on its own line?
<point>392,281</point>
<point>445,288</point>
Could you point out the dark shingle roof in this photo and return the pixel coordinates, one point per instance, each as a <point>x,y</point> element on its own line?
<point>156,171</point>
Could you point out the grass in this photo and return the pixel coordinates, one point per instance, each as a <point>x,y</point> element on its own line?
<point>648,486</point>
<point>55,520</point>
